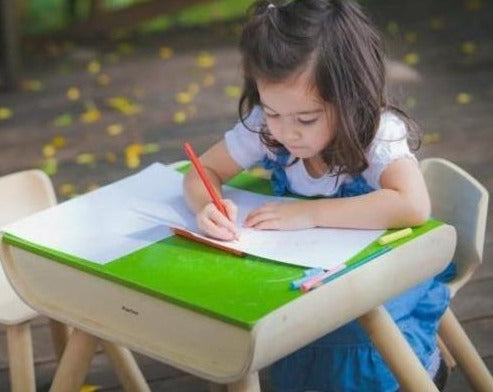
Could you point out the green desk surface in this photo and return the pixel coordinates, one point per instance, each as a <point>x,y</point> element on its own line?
<point>238,290</point>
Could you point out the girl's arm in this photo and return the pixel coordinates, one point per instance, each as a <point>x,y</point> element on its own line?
<point>403,201</point>
<point>219,167</point>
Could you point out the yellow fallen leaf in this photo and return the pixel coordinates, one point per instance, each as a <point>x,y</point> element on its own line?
<point>209,80</point>
<point>191,110</point>
<point>132,161</point>
<point>193,89</point>
<point>5,113</point>
<point>463,98</point>
<point>180,117</point>
<point>91,116</point>
<point>165,52</point>
<point>410,102</point>
<point>89,388</point>
<point>64,120</point>
<point>123,105</point>
<point>110,157</point>
<point>59,141</point>
<point>66,189</point>
<point>183,97</point>
<point>114,129</point>
<point>150,148</point>
<point>48,150</point>
<point>469,48</point>
<point>392,28</point>
<point>49,166</point>
<point>430,138</point>
<point>94,67</point>
<point>473,5</point>
<point>232,91</point>
<point>103,79</point>
<point>73,93</point>
<point>125,48</point>
<point>32,85</point>
<point>411,58</point>
<point>85,159</point>
<point>205,60</point>
<point>437,23</point>
<point>134,149</point>
<point>92,187</point>
<point>411,37</point>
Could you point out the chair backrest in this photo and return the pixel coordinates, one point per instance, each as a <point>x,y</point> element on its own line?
<point>24,193</point>
<point>460,200</point>
<point>21,194</point>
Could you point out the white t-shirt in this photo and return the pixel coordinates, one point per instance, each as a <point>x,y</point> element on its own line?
<point>389,144</point>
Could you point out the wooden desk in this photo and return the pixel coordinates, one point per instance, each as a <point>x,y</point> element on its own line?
<point>217,342</point>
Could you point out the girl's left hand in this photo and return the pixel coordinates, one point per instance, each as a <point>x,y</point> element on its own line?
<point>291,215</point>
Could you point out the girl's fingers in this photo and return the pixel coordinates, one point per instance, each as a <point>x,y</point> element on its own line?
<point>216,224</point>
<point>256,218</point>
<point>212,229</point>
<point>271,224</point>
<point>231,209</point>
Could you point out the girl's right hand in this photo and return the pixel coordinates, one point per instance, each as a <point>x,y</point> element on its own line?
<point>214,224</point>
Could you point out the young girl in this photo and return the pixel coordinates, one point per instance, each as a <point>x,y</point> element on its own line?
<point>313,110</point>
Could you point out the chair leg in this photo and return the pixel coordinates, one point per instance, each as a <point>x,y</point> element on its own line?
<point>397,353</point>
<point>59,336</point>
<point>464,353</point>
<point>20,353</point>
<point>74,363</point>
<point>444,351</point>
<point>126,368</point>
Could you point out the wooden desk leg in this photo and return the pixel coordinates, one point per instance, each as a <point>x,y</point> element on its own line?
<point>396,351</point>
<point>464,353</point>
<point>75,361</point>
<point>21,365</point>
<point>126,368</point>
<point>59,335</point>
<point>250,383</point>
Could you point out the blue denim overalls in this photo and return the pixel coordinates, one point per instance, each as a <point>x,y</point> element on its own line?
<point>345,360</point>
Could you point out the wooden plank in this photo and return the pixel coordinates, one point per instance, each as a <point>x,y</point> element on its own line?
<point>104,22</point>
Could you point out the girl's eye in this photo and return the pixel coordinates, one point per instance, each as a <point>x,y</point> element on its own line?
<point>307,121</point>
<point>272,115</point>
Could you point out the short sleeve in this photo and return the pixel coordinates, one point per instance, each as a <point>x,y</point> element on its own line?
<point>244,145</point>
<point>390,144</point>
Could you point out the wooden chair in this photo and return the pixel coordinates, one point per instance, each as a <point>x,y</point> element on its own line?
<point>21,194</point>
<point>460,200</point>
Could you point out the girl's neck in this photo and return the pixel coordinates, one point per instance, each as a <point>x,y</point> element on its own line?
<point>315,166</point>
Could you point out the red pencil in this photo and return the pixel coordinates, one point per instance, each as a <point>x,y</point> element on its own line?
<point>203,176</point>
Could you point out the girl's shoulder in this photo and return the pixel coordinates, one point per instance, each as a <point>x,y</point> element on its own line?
<point>243,140</point>
<point>391,128</point>
<point>389,144</point>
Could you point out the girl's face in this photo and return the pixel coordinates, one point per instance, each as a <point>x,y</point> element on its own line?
<point>296,115</point>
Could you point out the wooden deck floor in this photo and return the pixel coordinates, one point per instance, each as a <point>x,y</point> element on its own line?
<point>452,101</point>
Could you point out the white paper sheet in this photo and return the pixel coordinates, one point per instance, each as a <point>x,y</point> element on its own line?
<point>135,212</point>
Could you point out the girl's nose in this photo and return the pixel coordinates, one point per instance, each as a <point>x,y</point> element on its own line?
<point>291,132</point>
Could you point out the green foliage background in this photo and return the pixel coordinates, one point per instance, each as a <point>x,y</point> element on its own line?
<point>44,16</point>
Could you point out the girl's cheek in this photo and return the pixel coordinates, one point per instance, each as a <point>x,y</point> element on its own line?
<point>275,130</point>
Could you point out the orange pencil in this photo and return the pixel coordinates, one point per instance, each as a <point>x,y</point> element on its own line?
<point>203,176</point>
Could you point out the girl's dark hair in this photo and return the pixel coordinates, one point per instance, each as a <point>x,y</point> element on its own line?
<point>340,44</point>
